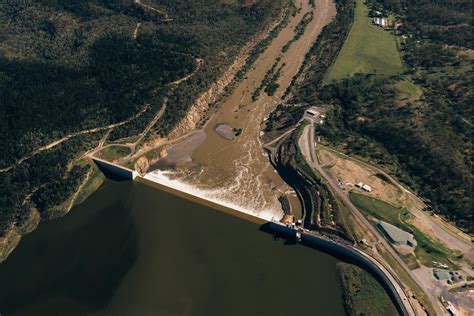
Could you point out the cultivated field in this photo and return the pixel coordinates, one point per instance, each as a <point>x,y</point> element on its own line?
<point>368,49</point>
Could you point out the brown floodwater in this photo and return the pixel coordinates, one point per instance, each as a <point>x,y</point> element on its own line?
<point>133,250</point>
<point>237,172</point>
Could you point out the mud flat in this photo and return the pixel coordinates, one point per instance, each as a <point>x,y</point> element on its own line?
<point>180,152</point>
<point>225,131</point>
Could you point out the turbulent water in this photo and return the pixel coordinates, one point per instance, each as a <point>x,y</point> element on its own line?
<point>238,173</point>
<point>228,191</point>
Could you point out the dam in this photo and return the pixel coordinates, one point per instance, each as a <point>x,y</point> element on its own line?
<point>272,225</point>
<point>131,249</point>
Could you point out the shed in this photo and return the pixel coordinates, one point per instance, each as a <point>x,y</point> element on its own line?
<point>441,274</point>
<point>396,235</point>
<point>379,22</point>
<point>367,188</point>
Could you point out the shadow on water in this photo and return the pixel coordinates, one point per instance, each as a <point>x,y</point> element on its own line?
<point>113,173</point>
<point>342,256</point>
<point>53,265</point>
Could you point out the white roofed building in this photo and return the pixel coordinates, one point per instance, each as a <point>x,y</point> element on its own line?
<point>382,22</point>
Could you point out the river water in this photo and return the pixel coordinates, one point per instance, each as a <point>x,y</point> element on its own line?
<point>238,172</point>
<point>134,250</point>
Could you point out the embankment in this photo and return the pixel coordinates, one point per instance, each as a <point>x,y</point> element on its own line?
<point>203,201</point>
<point>114,171</point>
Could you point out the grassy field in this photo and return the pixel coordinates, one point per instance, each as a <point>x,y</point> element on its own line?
<point>368,49</point>
<point>408,91</point>
<point>112,153</point>
<point>427,250</point>
<point>363,295</point>
<point>411,261</point>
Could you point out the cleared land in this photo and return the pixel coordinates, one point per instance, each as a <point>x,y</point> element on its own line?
<point>407,91</point>
<point>351,172</point>
<point>113,152</point>
<point>368,49</point>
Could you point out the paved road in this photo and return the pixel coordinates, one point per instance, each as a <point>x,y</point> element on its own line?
<point>451,239</point>
<point>307,146</point>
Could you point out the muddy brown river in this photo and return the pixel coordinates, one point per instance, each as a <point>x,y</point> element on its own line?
<point>237,172</point>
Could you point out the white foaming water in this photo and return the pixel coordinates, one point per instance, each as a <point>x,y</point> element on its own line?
<point>218,196</point>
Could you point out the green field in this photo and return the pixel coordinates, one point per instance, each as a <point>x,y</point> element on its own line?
<point>408,91</point>
<point>427,251</point>
<point>112,153</point>
<point>363,295</point>
<point>368,49</point>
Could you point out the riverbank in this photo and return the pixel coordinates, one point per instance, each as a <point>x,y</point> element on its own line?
<point>363,295</point>
<point>13,236</point>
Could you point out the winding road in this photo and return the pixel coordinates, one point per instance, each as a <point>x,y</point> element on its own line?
<point>306,144</point>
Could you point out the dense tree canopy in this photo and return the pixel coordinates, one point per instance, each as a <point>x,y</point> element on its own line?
<point>427,141</point>
<point>68,66</point>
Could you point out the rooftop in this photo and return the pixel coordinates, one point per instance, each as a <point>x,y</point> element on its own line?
<point>441,274</point>
<point>396,235</point>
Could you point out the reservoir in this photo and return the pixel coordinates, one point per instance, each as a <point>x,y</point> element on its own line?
<point>133,250</point>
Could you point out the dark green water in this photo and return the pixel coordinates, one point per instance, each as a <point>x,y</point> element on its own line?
<point>133,250</point>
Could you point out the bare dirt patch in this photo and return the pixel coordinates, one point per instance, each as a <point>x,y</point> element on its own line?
<point>350,172</point>
<point>225,131</point>
<point>180,152</point>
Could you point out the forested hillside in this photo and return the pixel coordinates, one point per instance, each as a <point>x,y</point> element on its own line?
<point>80,67</point>
<point>417,124</point>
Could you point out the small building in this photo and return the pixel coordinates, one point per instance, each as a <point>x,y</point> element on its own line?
<point>363,186</point>
<point>395,235</point>
<point>382,22</point>
<point>441,274</point>
<point>312,112</point>
<point>451,309</point>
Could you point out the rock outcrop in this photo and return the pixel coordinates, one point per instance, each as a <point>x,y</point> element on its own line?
<point>142,165</point>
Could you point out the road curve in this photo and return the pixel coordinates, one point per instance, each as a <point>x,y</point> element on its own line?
<point>307,146</point>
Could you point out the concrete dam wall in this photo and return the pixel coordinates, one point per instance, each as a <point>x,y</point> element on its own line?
<point>114,171</point>
<point>346,253</point>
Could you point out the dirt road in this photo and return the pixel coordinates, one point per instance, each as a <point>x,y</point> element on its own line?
<point>166,17</point>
